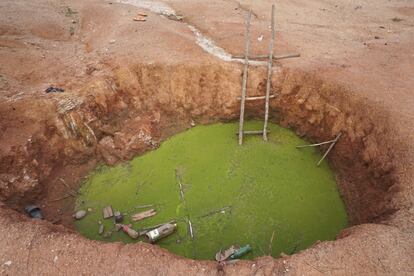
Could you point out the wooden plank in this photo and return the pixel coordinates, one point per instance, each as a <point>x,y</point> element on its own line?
<point>257,98</point>
<point>269,74</point>
<point>107,212</point>
<point>143,215</point>
<point>260,57</point>
<point>244,83</point>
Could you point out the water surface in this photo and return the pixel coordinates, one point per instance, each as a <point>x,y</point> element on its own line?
<point>262,189</point>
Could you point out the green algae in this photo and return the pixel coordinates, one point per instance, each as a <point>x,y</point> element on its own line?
<point>261,188</point>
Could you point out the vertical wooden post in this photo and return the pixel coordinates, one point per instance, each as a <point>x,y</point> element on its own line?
<point>244,84</point>
<point>269,74</point>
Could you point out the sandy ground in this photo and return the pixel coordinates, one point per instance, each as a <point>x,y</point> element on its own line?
<point>366,46</point>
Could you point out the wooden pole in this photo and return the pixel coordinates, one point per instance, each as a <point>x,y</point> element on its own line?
<point>267,56</point>
<point>330,148</point>
<point>315,145</point>
<point>244,84</point>
<point>269,74</point>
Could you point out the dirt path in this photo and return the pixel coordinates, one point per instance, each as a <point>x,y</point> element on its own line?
<point>93,49</point>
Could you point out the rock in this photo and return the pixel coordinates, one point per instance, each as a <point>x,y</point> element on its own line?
<point>8,263</point>
<point>80,214</point>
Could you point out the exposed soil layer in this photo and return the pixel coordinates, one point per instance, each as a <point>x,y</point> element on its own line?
<point>121,102</point>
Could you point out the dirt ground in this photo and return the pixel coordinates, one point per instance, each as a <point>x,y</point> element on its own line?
<point>122,77</point>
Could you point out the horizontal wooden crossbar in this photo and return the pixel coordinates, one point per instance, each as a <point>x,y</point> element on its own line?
<point>260,57</point>
<point>257,98</point>
<point>253,132</point>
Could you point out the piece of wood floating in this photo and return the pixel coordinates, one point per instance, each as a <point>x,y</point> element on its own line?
<point>260,57</point>
<point>143,206</point>
<point>190,227</point>
<point>107,212</point>
<point>143,215</point>
<point>330,148</point>
<point>317,144</point>
<point>271,243</point>
<point>244,83</point>
<point>269,75</point>
<point>257,98</point>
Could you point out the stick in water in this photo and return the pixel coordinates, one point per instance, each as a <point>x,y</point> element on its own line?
<point>271,242</point>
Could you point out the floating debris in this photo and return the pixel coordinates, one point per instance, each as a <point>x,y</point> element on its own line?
<point>80,214</point>
<point>161,232</point>
<point>118,216</point>
<point>34,212</point>
<point>233,252</point>
<point>101,229</point>
<point>143,215</point>
<point>118,227</point>
<point>131,232</point>
<point>107,212</point>
<point>224,255</point>
<point>241,252</point>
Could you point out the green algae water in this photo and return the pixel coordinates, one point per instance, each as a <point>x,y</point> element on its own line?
<point>232,194</point>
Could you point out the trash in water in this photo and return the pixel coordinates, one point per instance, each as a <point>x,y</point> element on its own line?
<point>233,252</point>
<point>142,215</point>
<point>161,232</point>
<point>34,212</point>
<point>131,232</point>
<point>224,255</point>
<point>118,216</point>
<point>80,214</point>
<point>101,229</point>
<point>52,89</point>
<point>241,252</point>
<point>118,227</point>
<point>107,212</point>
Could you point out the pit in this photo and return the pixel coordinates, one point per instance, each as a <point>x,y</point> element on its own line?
<point>129,131</point>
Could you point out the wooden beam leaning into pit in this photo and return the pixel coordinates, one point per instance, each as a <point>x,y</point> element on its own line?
<point>331,142</point>
<point>245,71</point>
<point>269,75</point>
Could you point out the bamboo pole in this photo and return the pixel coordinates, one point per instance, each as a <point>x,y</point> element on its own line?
<point>267,56</point>
<point>244,84</point>
<point>269,74</point>
<point>315,145</point>
<point>330,148</point>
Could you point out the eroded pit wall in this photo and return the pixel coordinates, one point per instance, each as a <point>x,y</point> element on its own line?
<point>133,109</point>
<point>115,118</point>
